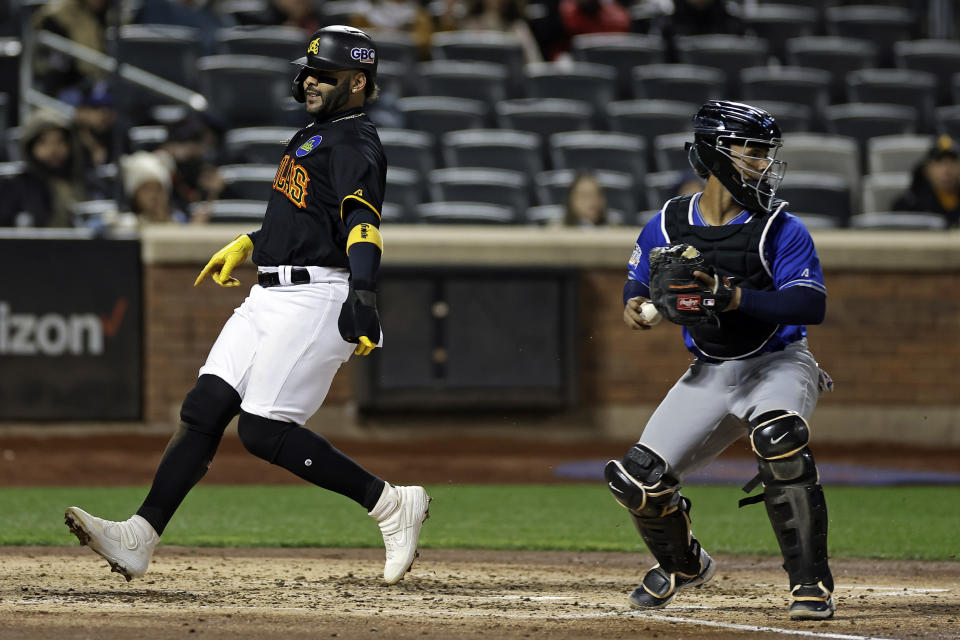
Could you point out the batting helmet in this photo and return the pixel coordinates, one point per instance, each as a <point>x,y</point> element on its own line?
<point>751,180</point>
<point>337,48</point>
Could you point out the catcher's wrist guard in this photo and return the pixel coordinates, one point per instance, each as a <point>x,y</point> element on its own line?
<point>678,294</point>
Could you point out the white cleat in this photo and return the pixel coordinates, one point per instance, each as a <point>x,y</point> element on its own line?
<point>400,512</point>
<point>127,546</point>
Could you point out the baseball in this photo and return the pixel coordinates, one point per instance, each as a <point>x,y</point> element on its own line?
<point>650,313</point>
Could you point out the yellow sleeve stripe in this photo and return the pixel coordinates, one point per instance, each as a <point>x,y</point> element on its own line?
<point>364,202</point>
<point>364,232</point>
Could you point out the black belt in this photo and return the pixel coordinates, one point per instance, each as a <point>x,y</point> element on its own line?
<point>298,275</point>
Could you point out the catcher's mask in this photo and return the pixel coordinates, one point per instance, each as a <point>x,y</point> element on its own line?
<point>738,144</point>
<point>337,48</point>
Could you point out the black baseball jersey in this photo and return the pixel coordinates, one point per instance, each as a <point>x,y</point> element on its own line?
<point>327,169</point>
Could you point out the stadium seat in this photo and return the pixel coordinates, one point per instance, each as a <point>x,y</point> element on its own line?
<point>573,81</point>
<point>948,121</point>
<point>553,215</point>
<point>727,52</point>
<point>395,81</point>
<point>393,213</point>
<point>660,187</point>
<point>221,75</point>
<point>544,116</point>
<point>881,25</point>
<point>867,120</point>
<point>485,46</point>
<point>462,79</point>
<point>10,169</point>
<point>817,192</point>
<point>242,11</point>
<point>670,153</point>
<point>409,149</point>
<point>838,56</point>
<point>777,23</point>
<point>680,82</point>
<point>620,189</point>
<point>897,154</point>
<point>247,181</point>
<point>798,85</point>
<point>792,118</point>
<point>493,148</point>
<point>438,114</point>
<point>651,118</point>
<point>233,211</point>
<point>338,11</point>
<point>622,50</point>
<point>500,187</point>
<point>257,145</point>
<point>398,47</point>
<point>955,88</point>
<point>270,41</point>
<point>838,155</point>
<point>465,213</point>
<point>915,89</point>
<point>404,190</point>
<point>168,51</point>
<point>939,57</point>
<point>816,221</point>
<point>147,137</point>
<point>880,190</point>
<point>91,213</point>
<point>11,142</point>
<point>601,150</point>
<point>899,221</point>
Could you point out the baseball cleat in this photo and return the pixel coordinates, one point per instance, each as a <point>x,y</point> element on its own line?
<point>659,587</point>
<point>811,602</point>
<point>127,546</point>
<point>400,511</point>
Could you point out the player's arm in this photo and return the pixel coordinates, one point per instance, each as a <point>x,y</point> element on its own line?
<point>359,321</point>
<point>636,290</point>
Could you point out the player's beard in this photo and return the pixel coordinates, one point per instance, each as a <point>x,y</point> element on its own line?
<point>331,102</point>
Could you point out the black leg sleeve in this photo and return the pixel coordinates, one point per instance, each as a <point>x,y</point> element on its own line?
<point>309,456</point>
<point>206,412</point>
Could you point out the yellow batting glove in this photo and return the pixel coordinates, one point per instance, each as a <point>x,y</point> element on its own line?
<point>365,347</point>
<point>223,262</point>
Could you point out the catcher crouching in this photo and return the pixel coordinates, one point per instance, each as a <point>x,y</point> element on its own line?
<point>743,279</point>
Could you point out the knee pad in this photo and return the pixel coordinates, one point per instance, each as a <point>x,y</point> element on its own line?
<point>210,405</point>
<point>262,437</point>
<point>779,439</point>
<point>640,483</point>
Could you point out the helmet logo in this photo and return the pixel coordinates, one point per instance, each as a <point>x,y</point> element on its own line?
<point>362,54</point>
<point>314,47</point>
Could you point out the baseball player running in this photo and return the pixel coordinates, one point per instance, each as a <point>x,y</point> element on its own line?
<point>317,253</point>
<point>743,278</point>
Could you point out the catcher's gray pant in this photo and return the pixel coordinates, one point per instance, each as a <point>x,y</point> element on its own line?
<point>712,404</point>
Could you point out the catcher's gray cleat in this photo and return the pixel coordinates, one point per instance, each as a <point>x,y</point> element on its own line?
<point>659,587</point>
<point>811,602</point>
<point>128,546</point>
<point>400,511</point>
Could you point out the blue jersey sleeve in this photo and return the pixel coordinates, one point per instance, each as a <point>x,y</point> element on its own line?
<point>794,260</point>
<point>638,267</point>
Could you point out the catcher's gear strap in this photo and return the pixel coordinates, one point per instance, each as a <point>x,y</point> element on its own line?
<point>640,483</point>
<point>798,514</point>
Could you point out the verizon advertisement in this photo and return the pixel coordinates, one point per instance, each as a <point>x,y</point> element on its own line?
<point>70,329</point>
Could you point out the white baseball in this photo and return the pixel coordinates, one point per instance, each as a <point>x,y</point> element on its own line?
<point>650,313</point>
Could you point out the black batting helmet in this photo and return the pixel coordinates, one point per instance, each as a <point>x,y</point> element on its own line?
<point>720,124</point>
<point>337,48</point>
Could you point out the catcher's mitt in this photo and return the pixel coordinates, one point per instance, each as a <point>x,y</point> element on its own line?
<point>678,295</point>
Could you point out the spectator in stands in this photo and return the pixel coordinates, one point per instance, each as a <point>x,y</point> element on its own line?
<point>293,13</point>
<point>198,14</point>
<point>84,22</point>
<point>586,204</point>
<point>936,183</point>
<point>594,16</point>
<point>190,155</point>
<point>44,194</point>
<point>146,185</point>
<point>94,121</point>
<point>508,16</point>
<point>391,16</point>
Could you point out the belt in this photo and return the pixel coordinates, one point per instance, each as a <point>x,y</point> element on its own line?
<point>298,275</point>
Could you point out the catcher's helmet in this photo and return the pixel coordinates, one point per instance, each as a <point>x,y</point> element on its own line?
<point>751,180</point>
<point>337,48</point>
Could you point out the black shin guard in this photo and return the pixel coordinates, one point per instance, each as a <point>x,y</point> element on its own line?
<point>309,456</point>
<point>798,514</point>
<point>670,541</point>
<point>206,412</point>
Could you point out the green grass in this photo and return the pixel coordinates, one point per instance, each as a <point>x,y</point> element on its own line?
<point>917,523</point>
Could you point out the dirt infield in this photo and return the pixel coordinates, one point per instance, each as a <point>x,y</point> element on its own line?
<point>326,593</point>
